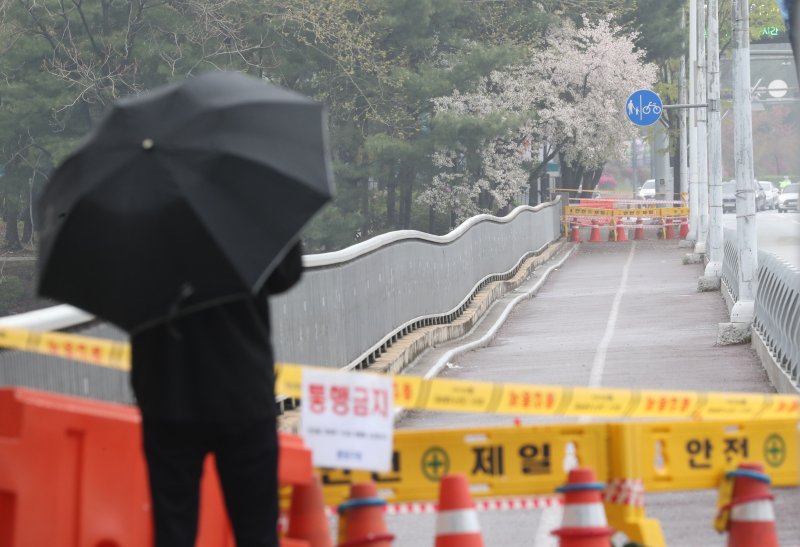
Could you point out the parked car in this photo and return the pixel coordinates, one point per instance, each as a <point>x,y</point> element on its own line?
<point>787,200</point>
<point>770,193</point>
<point>647,190</point>
<point>729,196</point>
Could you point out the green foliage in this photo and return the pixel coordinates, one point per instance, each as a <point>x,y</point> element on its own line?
<point>12,291</point>
<point>331,229</point>
<point>377,65</point>
<point>659,25</point>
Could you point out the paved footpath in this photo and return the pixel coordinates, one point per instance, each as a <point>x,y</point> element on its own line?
<point>613,315</point>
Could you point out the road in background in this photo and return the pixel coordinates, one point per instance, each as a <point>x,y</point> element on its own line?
<point>778,233</point>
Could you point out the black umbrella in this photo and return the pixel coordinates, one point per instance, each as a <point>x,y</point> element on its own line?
<point>182,198</point>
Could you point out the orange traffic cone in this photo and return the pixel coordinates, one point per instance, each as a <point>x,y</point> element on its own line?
<point>669,231</point>
<point>584,523</point>
<point>752,518</point>
<point>594,236</point>
<point>307,519</point>
<point>621,232</point>
<point>684,228</point>
<point>456,520</point>
<point>361,518</point>
<point>576,231</point>
<point>638,234</point>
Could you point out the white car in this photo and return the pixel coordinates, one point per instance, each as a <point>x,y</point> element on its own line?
<point>788,199</point>
<point>647,190</point>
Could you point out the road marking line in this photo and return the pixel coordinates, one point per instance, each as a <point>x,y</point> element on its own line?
<point>596,374</point>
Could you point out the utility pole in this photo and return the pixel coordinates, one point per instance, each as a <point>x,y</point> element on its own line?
<point>694,213</point>
<point>682,115</point>
<point>661,170</point>
<point>683,168</point>
<point>715,251</point>
<point>702,141</point>
<point>746,236</point>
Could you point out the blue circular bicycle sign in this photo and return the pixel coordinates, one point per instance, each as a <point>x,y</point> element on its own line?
<point>643,107</point>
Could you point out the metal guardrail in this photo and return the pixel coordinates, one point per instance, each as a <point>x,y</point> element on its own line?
<point>777,303</point>
<point>349,306</point>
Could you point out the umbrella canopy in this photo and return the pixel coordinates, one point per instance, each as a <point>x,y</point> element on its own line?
<point>182,198</point>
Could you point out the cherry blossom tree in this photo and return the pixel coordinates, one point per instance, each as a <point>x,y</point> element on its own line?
<point>567,98</point>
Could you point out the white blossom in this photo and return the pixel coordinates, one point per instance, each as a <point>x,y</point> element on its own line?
<point>569,95</point>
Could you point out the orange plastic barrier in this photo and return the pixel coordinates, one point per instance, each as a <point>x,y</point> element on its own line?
<point>598,203</point>
<point>72,474</point>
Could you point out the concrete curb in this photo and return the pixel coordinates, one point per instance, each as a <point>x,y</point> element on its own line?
<point>487,338</point>
<point>777,376</point>
<point>408,347</point>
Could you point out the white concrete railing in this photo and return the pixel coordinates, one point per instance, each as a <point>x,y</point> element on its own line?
<point>348,307</point>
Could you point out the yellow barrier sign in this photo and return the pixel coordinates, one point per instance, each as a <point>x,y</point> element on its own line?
<point>685,455</point>
<point>674,211</point>
<point>446,395</point>
<point>500,461</point>
<point>645,212</point>
<point>531,460</point>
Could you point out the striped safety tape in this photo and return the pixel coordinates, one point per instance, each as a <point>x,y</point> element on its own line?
<point>450,395</point>
<point>481,505</point>
<point>625,492</point>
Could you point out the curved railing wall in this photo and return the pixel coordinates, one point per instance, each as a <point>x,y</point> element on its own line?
<point>349,305</point>
<point>777,303</point>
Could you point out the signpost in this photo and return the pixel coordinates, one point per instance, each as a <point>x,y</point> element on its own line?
<point>644,107</point>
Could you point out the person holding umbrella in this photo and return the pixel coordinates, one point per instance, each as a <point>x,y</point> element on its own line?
<point>175,219</point>
<point>205,384</point>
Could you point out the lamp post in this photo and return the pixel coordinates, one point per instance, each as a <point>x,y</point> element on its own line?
<point>694,214</point>
<point>746,236</point>
<point>702,140</point>
<point>715,229</point>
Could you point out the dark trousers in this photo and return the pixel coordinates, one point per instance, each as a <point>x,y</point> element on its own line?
<point>247,459</point>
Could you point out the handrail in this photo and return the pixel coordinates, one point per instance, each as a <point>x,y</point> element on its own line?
<point>349,306</point>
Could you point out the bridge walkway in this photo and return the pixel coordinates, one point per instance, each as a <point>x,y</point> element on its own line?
<point>616,314</point>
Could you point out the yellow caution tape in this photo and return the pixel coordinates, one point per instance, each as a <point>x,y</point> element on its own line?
<point>446,395</point>
<point>95,351</point>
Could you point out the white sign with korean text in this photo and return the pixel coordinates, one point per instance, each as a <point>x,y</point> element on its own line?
<point>347,419</point>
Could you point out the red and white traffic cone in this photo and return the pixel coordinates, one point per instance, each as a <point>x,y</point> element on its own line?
<point>638,234</point>
<point>307,518</point>
<point>594,236</point>
<point>684,228</point>
<point>584,523</point>
<point>622,234</point>
<point>576,231</point>
<point>456,520</point>
<point>752,518</point>
<point>669,230</point>
<point>361,518</point>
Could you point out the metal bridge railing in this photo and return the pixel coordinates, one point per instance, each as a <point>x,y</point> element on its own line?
<point>349,306</point>
<point>777,303</point>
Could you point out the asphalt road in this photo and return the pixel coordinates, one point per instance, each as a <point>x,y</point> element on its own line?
<point>614,315</point>
<point>778,233</point>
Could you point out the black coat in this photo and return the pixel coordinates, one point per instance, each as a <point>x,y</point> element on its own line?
<point>215,364</point>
